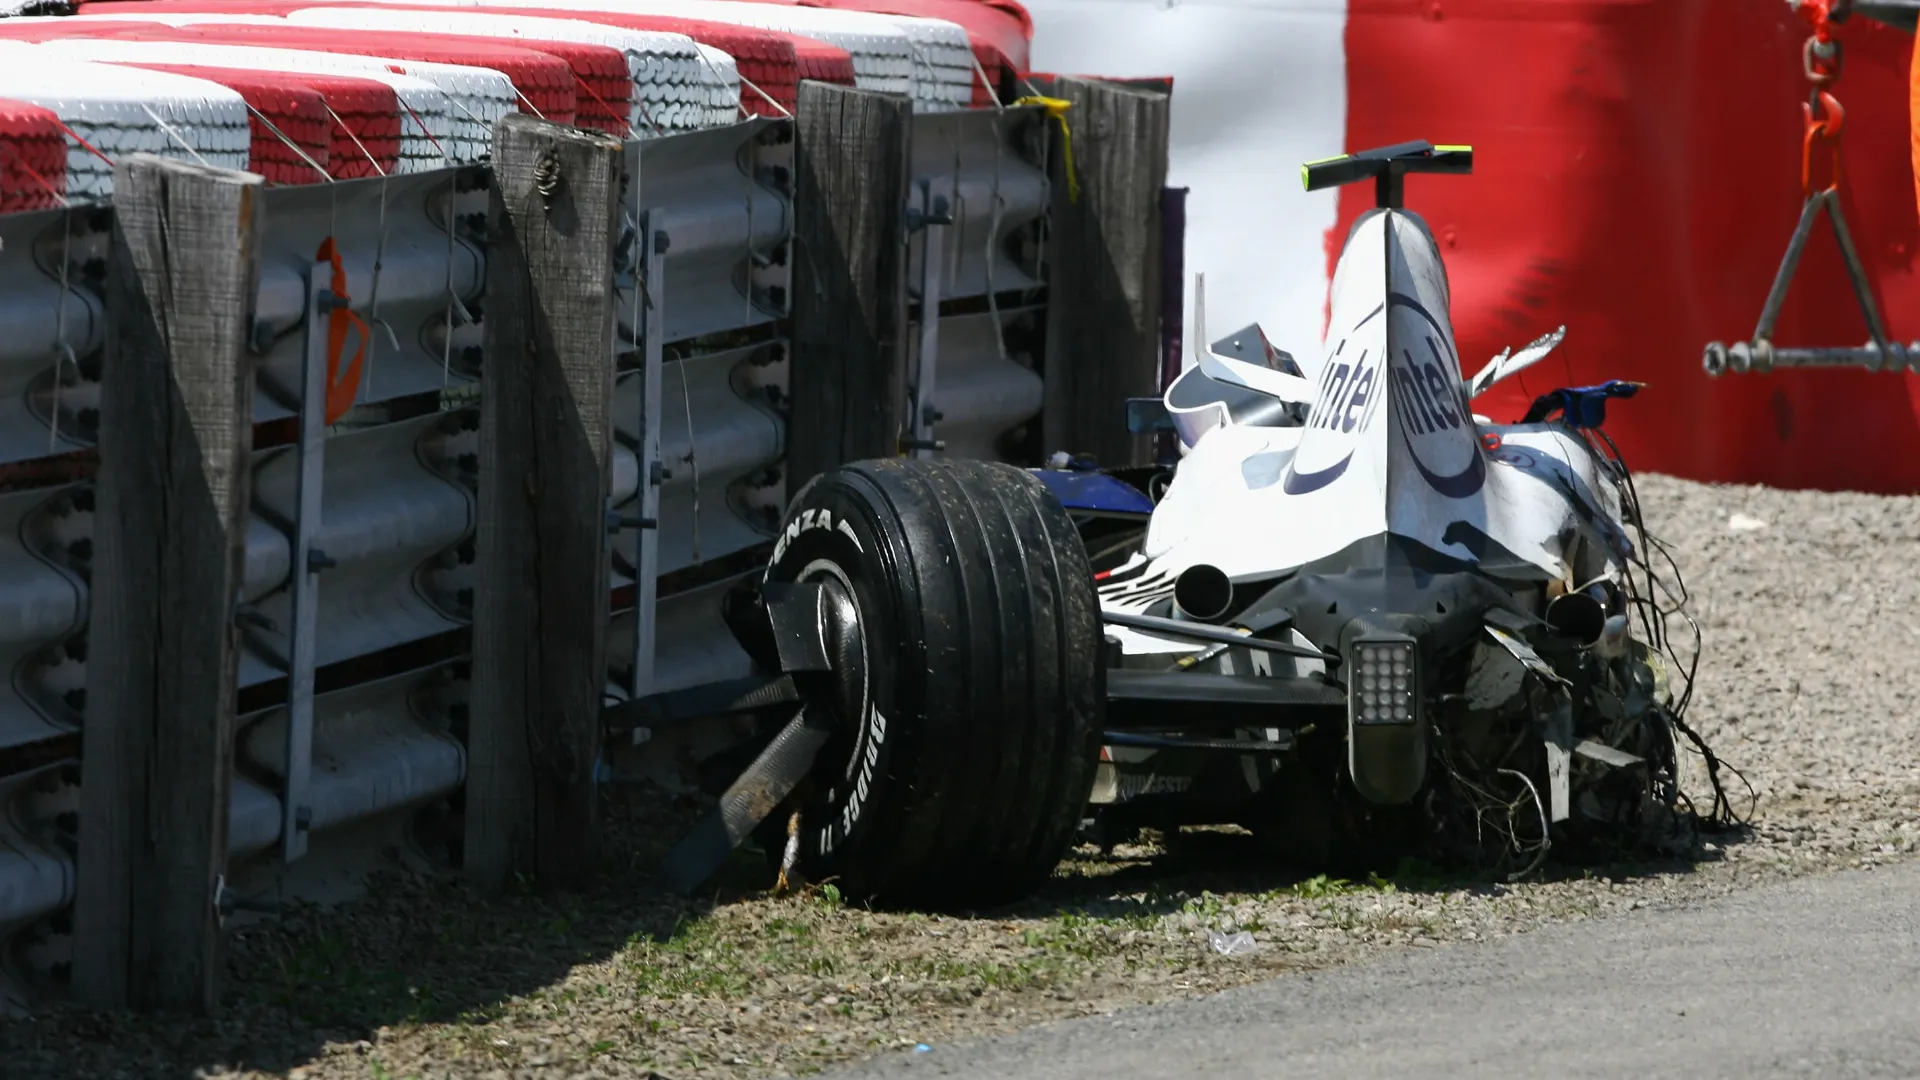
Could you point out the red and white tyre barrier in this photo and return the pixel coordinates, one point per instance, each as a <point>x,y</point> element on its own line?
<point>109,112</point>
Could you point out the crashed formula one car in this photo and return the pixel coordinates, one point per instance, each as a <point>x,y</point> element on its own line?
<point>1352,616</point>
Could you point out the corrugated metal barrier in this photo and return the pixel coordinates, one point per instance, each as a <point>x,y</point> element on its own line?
<point>397,512</point>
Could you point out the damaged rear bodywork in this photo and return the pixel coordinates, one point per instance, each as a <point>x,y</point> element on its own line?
<point>1483,658</point>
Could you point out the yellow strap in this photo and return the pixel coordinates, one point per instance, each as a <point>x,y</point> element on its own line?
<point>1057,109</point>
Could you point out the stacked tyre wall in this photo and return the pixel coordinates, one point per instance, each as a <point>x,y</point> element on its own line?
<point>367,145</point>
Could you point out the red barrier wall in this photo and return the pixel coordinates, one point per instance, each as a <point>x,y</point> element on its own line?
<point>1637,177</point>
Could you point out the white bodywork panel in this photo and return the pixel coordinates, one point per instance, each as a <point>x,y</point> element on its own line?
<point>1390,445</point>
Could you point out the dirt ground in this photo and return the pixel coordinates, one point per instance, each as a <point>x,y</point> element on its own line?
<point>1810,618</point>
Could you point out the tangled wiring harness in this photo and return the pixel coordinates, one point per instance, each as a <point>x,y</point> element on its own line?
<point>1658,597</point>
<point>1632,714</point>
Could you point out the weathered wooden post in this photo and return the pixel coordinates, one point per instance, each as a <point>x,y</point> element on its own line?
<point>176,404</point>
<point>546,438</point>
<point>1104,267</point>
<point>852,160</point>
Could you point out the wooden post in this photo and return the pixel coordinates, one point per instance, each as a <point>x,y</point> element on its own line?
<point>847,377</point>
<point>1103,269</point>
<point>546,439</point>
<point>176,424</point>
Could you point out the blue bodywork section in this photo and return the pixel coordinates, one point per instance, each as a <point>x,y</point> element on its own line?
<point>1094,492</point>
<point>1580,406</point>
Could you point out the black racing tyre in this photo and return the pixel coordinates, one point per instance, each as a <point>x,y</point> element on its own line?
<point>968,740</point>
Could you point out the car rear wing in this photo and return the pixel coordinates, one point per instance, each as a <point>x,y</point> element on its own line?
<point>1387,167</point>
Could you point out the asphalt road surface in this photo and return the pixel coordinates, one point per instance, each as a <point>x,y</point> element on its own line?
<point>1816,977</point>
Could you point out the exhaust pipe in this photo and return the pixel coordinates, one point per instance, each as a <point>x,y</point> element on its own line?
<point>1202,593</point>
<point>1581,615</point>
